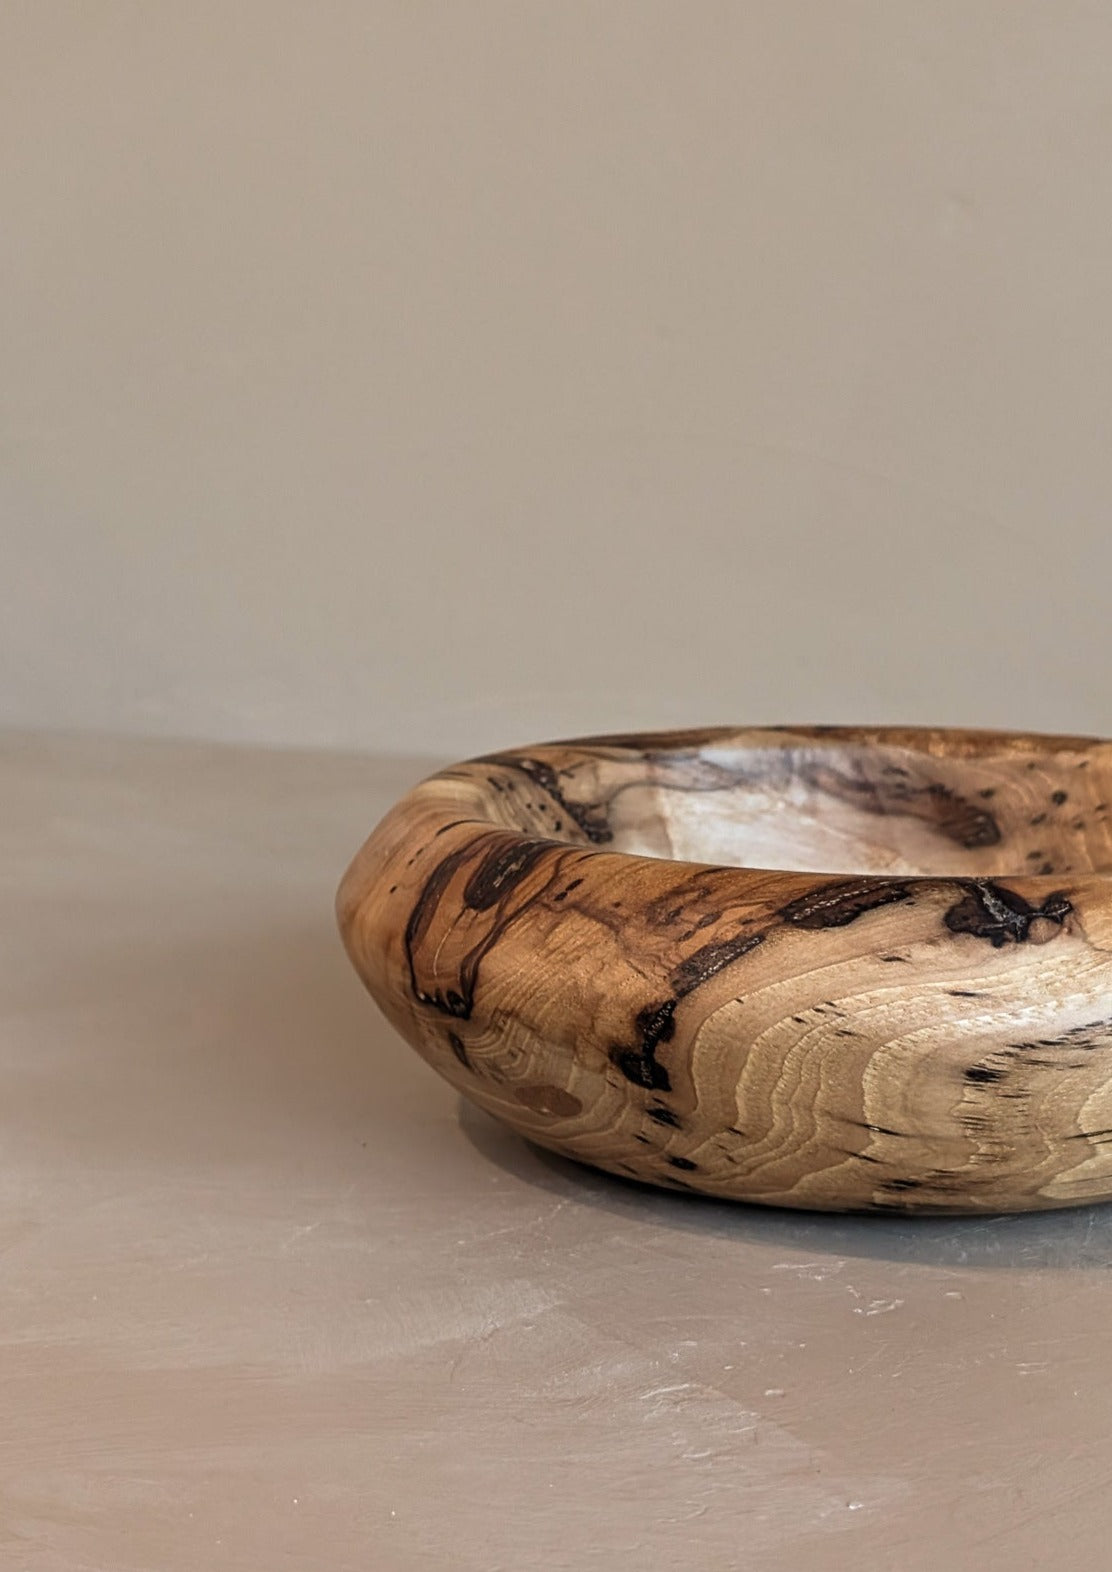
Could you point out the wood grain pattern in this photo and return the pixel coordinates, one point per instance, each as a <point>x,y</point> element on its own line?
<point>834,968</point>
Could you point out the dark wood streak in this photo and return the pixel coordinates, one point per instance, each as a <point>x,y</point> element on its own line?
<point>499,871</point>
<point>499,864</point>
<point>421,915</point>
<point>935,804</point>
<point>992,911</point>
<point>589,817</point>
<point>1093,1034</point>
<point>457,1047</point>
<point>649,742</point>
<point>837,905</point>
<point>710,959</point>
<point>656,1024</point>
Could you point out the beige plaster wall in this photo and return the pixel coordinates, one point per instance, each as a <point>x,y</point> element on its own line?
<point>425,376</point>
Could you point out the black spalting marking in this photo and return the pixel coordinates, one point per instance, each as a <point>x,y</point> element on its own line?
<point>657,1025</point>
<point>654,741</point>
<point>837,905</point>
<point>664,1115</point>
<point>459,1050</point>
<point>417,926</point>
<point>983,1074</point>
<point>683,1162</point>
<point>591,818</point>
<point>656,1022</point>
<point>991,911</point>
<point>952,815</point>
<point>1057,1064</point>
<point>498,872</point>
<point>700,966</point>
<point>573,884</point>
<point>964,993</point>
<point>1090,1035</point>
<point>497,863</point>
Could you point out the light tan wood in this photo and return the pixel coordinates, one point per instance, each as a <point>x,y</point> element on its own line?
<point>832,968</point>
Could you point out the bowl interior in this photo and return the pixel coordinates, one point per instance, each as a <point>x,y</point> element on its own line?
<point>841,800</point>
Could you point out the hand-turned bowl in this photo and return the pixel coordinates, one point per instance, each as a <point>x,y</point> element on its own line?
<point>826,967</point>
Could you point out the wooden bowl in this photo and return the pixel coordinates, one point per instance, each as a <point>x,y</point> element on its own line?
<point>826,967</point>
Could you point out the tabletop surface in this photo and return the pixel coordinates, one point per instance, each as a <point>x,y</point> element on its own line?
<point>273,1297</point>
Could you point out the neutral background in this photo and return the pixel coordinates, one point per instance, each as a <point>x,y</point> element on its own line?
<point>424,376</point>
<point>409,379</point>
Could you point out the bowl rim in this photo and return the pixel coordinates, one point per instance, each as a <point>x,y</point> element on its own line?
<point>947,743</point>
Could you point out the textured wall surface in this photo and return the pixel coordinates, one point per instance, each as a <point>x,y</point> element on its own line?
<point>434,376</point>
